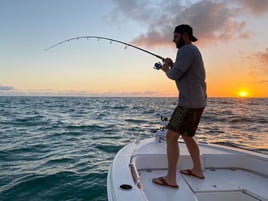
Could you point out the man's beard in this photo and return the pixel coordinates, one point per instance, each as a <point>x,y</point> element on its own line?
<point>180,43</point>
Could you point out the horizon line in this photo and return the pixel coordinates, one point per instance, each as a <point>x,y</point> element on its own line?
<point>116,96</point>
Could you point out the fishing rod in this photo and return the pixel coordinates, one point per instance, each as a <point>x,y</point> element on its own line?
<point>109,39</point>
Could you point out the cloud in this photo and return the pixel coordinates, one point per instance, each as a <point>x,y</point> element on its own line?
<point>213,21</point>
<point>262,82</point>
<point>258,63</point>
<point>6,88</point>
<point>258,7</point>
<point>50,92</point>
<point>262,58</point>
<point>138,10</point>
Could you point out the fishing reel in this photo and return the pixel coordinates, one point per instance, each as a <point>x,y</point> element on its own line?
<point>158,66</point>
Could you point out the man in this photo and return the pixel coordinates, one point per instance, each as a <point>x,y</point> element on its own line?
<point>189,74</point>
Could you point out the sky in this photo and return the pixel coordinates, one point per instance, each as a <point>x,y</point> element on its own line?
<point>232,37</point>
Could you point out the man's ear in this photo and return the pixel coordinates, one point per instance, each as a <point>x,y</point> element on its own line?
<point>185,36</point>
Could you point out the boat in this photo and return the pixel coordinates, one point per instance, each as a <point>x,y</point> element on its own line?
<point>231,173</point>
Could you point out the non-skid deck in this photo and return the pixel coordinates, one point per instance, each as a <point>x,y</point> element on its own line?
<point>219,185</point>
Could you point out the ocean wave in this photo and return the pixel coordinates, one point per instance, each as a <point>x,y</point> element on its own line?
<point>63,185</point>
<point>93,127</point>
<point>240,119</point>
<point>136,121</point>
<point>109,147</point>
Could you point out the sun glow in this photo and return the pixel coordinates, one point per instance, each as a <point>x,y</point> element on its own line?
<point>243,94</point>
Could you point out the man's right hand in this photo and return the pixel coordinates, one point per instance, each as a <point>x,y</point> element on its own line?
<point>168,61</point>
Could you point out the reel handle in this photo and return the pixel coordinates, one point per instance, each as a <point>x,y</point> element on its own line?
<point>158,66</point>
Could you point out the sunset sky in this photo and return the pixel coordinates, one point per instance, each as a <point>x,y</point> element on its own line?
<point>232,36</point>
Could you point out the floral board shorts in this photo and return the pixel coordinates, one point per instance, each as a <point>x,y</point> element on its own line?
<point>185,120</point>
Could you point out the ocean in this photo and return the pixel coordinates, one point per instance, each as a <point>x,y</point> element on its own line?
<point>60,148</point>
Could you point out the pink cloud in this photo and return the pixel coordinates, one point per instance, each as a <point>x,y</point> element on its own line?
<point>213,21</point>
<point>263,60</point>
<point>258,7</point>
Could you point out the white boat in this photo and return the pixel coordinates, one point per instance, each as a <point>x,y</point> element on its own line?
<point>230,173</point>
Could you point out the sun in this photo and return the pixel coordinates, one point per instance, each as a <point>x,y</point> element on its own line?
<point>243,94</point>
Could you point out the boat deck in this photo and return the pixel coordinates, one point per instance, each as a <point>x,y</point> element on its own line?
<point>235,173</point>
<point>230,174</point>
<point>238,183</point>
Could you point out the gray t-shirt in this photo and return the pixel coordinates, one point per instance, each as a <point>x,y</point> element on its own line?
<point>189,73</point>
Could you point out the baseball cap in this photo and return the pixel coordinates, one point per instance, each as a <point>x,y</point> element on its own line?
<point>185,28</point>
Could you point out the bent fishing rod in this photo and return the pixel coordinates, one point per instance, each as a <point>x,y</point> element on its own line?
<point>157,65</point>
